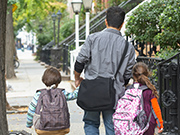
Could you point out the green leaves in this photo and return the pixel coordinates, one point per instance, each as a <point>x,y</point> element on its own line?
<point>10,2</point>
<point>32,13</point>
<point>157,21</point>
<point>170,23</point>
<point>167,53</point>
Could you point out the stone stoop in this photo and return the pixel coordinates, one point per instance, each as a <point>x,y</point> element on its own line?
<point>64,76</point>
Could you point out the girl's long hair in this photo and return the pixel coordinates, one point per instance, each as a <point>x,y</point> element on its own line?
<point>141,73</point>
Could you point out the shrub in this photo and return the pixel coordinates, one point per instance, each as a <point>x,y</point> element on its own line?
<point>43,39</point>
<point>170,25</point>
<point>156,21</point>
<point>67,28</point>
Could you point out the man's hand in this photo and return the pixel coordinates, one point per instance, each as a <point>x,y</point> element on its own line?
<point>78,79</point>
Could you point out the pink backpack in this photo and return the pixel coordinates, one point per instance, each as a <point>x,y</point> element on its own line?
<point>129,117</point>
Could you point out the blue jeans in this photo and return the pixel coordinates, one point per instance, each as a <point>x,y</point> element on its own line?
<point>92,122</point>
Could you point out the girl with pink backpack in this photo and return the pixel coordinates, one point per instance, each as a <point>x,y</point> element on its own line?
<point>138,111</point>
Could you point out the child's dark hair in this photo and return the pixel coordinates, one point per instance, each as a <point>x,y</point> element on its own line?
<point>51,76</point>
<point>115,16</point>
<point>141,73</point>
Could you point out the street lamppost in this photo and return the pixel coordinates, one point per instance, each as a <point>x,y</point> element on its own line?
<point>87,5</point>
<point>59,17</point>
<point>76,5</point>
<point>54,19</point>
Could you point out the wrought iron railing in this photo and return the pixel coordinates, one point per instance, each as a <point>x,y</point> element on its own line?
<point>169,90</point>
<point>147,49</point>
<point>97,23</point>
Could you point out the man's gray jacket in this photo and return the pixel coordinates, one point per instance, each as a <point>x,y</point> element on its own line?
<point>101,54</point>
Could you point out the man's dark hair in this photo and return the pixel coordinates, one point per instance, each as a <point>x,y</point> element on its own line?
<point>115,16</point>
<point>51,76</point>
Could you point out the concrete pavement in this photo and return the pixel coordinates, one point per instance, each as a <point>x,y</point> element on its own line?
<point>27,81</point>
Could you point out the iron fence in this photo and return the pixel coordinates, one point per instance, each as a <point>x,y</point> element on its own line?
<point>56,57</point>
<point>147,49</point>
<point>169,89</point>
<point>60,55</point>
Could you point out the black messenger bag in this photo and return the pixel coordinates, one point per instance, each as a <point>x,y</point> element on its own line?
<point>98,94</point>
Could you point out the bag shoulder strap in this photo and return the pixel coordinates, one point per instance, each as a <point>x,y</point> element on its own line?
<point>40,90</point>
<point>143,88</point>
<point>121,61</point>
<point>60,89</point>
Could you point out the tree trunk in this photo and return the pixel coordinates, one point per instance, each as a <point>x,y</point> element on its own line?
<point>10,45</point>
<point>3,119</point>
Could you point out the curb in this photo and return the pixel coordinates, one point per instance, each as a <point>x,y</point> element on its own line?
<point>17,110</point>
<point>23,132</point>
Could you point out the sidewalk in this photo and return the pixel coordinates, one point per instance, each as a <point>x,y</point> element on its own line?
<point>27,81</point>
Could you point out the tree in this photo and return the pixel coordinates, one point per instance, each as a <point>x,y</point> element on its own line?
<point>10,44</point>
<point>143,22</point>
<point>32,13</point>
<point>156,21</point>
<point>3,119</point>
<point>170,25</point>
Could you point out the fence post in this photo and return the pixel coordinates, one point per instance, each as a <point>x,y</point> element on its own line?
<point>169,91</point>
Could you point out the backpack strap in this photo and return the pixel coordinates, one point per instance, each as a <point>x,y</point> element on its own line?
<point>148,122</point>
<point>40,90</point>
<point>144,87</point>
<point>122,58</point>
<point>45,89</point>
<point>61,89</point>
<point>130,86</point>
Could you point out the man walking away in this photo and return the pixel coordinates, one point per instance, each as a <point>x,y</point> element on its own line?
<point>100,56</point>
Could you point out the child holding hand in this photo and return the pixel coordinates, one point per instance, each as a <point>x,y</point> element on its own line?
<point>51,78</point>
<point>140,74</point>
